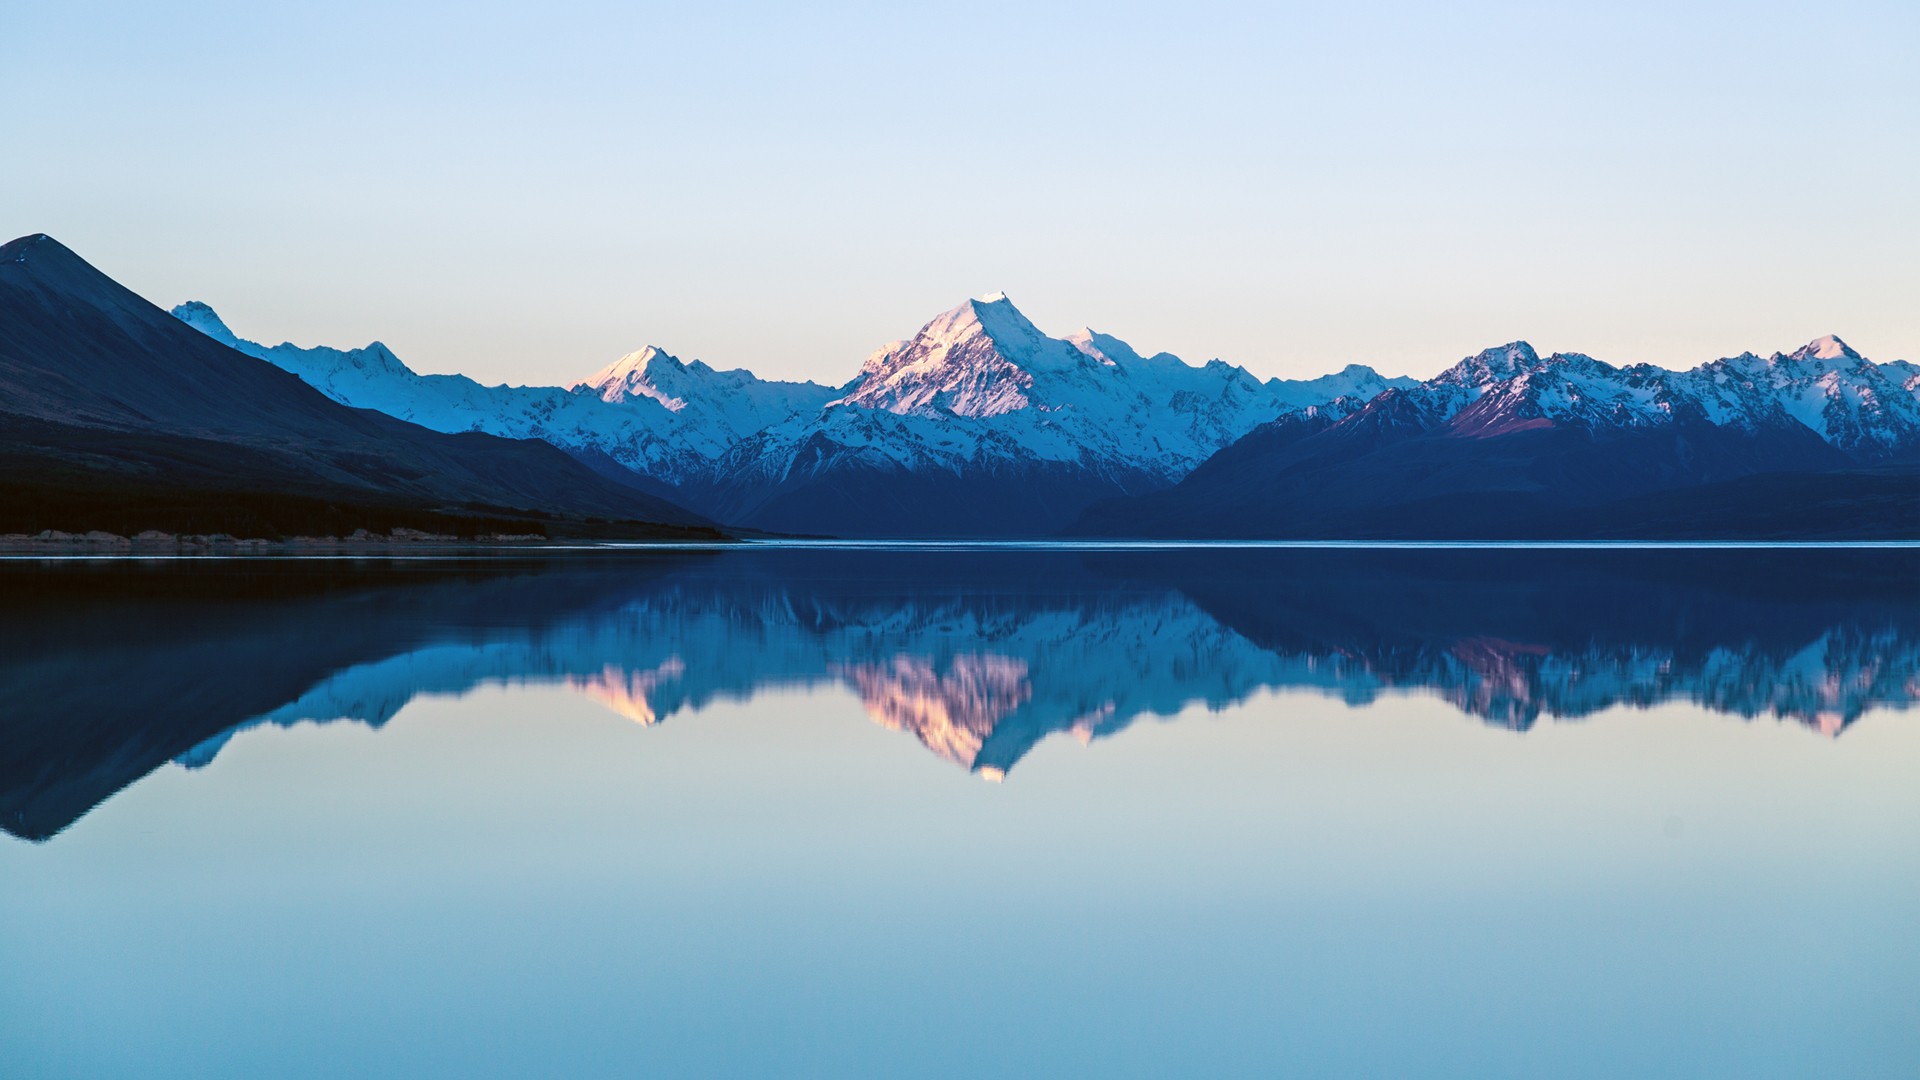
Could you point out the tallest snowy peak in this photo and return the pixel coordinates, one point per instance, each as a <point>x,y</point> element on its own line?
<point>990,322</point>
<point>636,374</point>
<point>978,359</point>
<point>1829,347</point>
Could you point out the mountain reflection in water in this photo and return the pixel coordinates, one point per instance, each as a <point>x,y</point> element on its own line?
<point>111,670</point>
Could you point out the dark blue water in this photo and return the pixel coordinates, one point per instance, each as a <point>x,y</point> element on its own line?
<point>961,813</point>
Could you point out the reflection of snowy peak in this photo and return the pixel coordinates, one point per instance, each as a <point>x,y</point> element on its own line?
<point>980,680</point>
<point>953,711</point>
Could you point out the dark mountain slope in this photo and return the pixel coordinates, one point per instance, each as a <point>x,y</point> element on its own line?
<point>101,388</point>
<point>1386,472</point>
<point>827,492</point>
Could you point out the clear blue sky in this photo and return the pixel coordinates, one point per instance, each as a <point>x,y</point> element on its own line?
<point>525,194</point>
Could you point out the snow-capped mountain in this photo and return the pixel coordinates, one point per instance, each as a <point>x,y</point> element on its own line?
<point>659,417</point>
<point>732,404</point>
<point>982,424</point>
<point>1508,443</point>
<point>1866,409</point>
<point>979,423</point>
<point>1861,408</point>
<point>1087,395</point>
<point>117,417</point>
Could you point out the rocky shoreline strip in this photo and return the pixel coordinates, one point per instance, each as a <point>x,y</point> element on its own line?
<point>155,542</point>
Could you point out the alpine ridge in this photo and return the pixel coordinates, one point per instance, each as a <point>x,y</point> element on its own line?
<point>117,418</point>
<point>1510,444</point>
<point>978,425</point>
<point>981,424</point>
<point>664,420</point>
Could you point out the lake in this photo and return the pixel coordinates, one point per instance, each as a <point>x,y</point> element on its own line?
<point>963,811</point>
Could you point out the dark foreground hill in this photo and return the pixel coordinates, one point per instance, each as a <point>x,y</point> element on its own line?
<point>115,416</point>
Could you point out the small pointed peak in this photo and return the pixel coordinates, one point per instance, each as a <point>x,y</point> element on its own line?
<point>1105,348</point>
<point>1083,339</point>
<point>55,267</point>
<point>25,247</point>
<point>202,317</point>
<point>1828,347</point>
<point>1499,362</point>
<point>994,316</point>
<point>384,356</point>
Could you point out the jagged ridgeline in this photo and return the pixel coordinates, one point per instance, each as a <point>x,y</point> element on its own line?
<point>982,425</point>
<point>978,425</point>
<point>114,416</point>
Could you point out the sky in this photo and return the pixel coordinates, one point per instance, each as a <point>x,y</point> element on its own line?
<point>525,194</point>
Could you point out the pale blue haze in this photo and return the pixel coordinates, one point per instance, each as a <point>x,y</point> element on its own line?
<point>518,883</point>
<point>525,194</point>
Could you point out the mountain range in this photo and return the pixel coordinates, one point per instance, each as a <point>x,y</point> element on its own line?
<point>115,416</point>
<point>982,425</point>
<point>977,425</point>
<point>1818,442</point>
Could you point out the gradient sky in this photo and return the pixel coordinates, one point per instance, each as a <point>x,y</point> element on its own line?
<point>524,195</point>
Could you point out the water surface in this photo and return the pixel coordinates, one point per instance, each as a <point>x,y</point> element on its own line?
<point>953,812</point>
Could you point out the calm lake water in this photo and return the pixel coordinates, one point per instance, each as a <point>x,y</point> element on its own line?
<point>1473,813</point>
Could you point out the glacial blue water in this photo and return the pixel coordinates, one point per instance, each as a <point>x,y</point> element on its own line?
<point>936,812</point>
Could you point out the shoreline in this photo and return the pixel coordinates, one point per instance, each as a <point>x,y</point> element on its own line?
<point>154,542</point>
